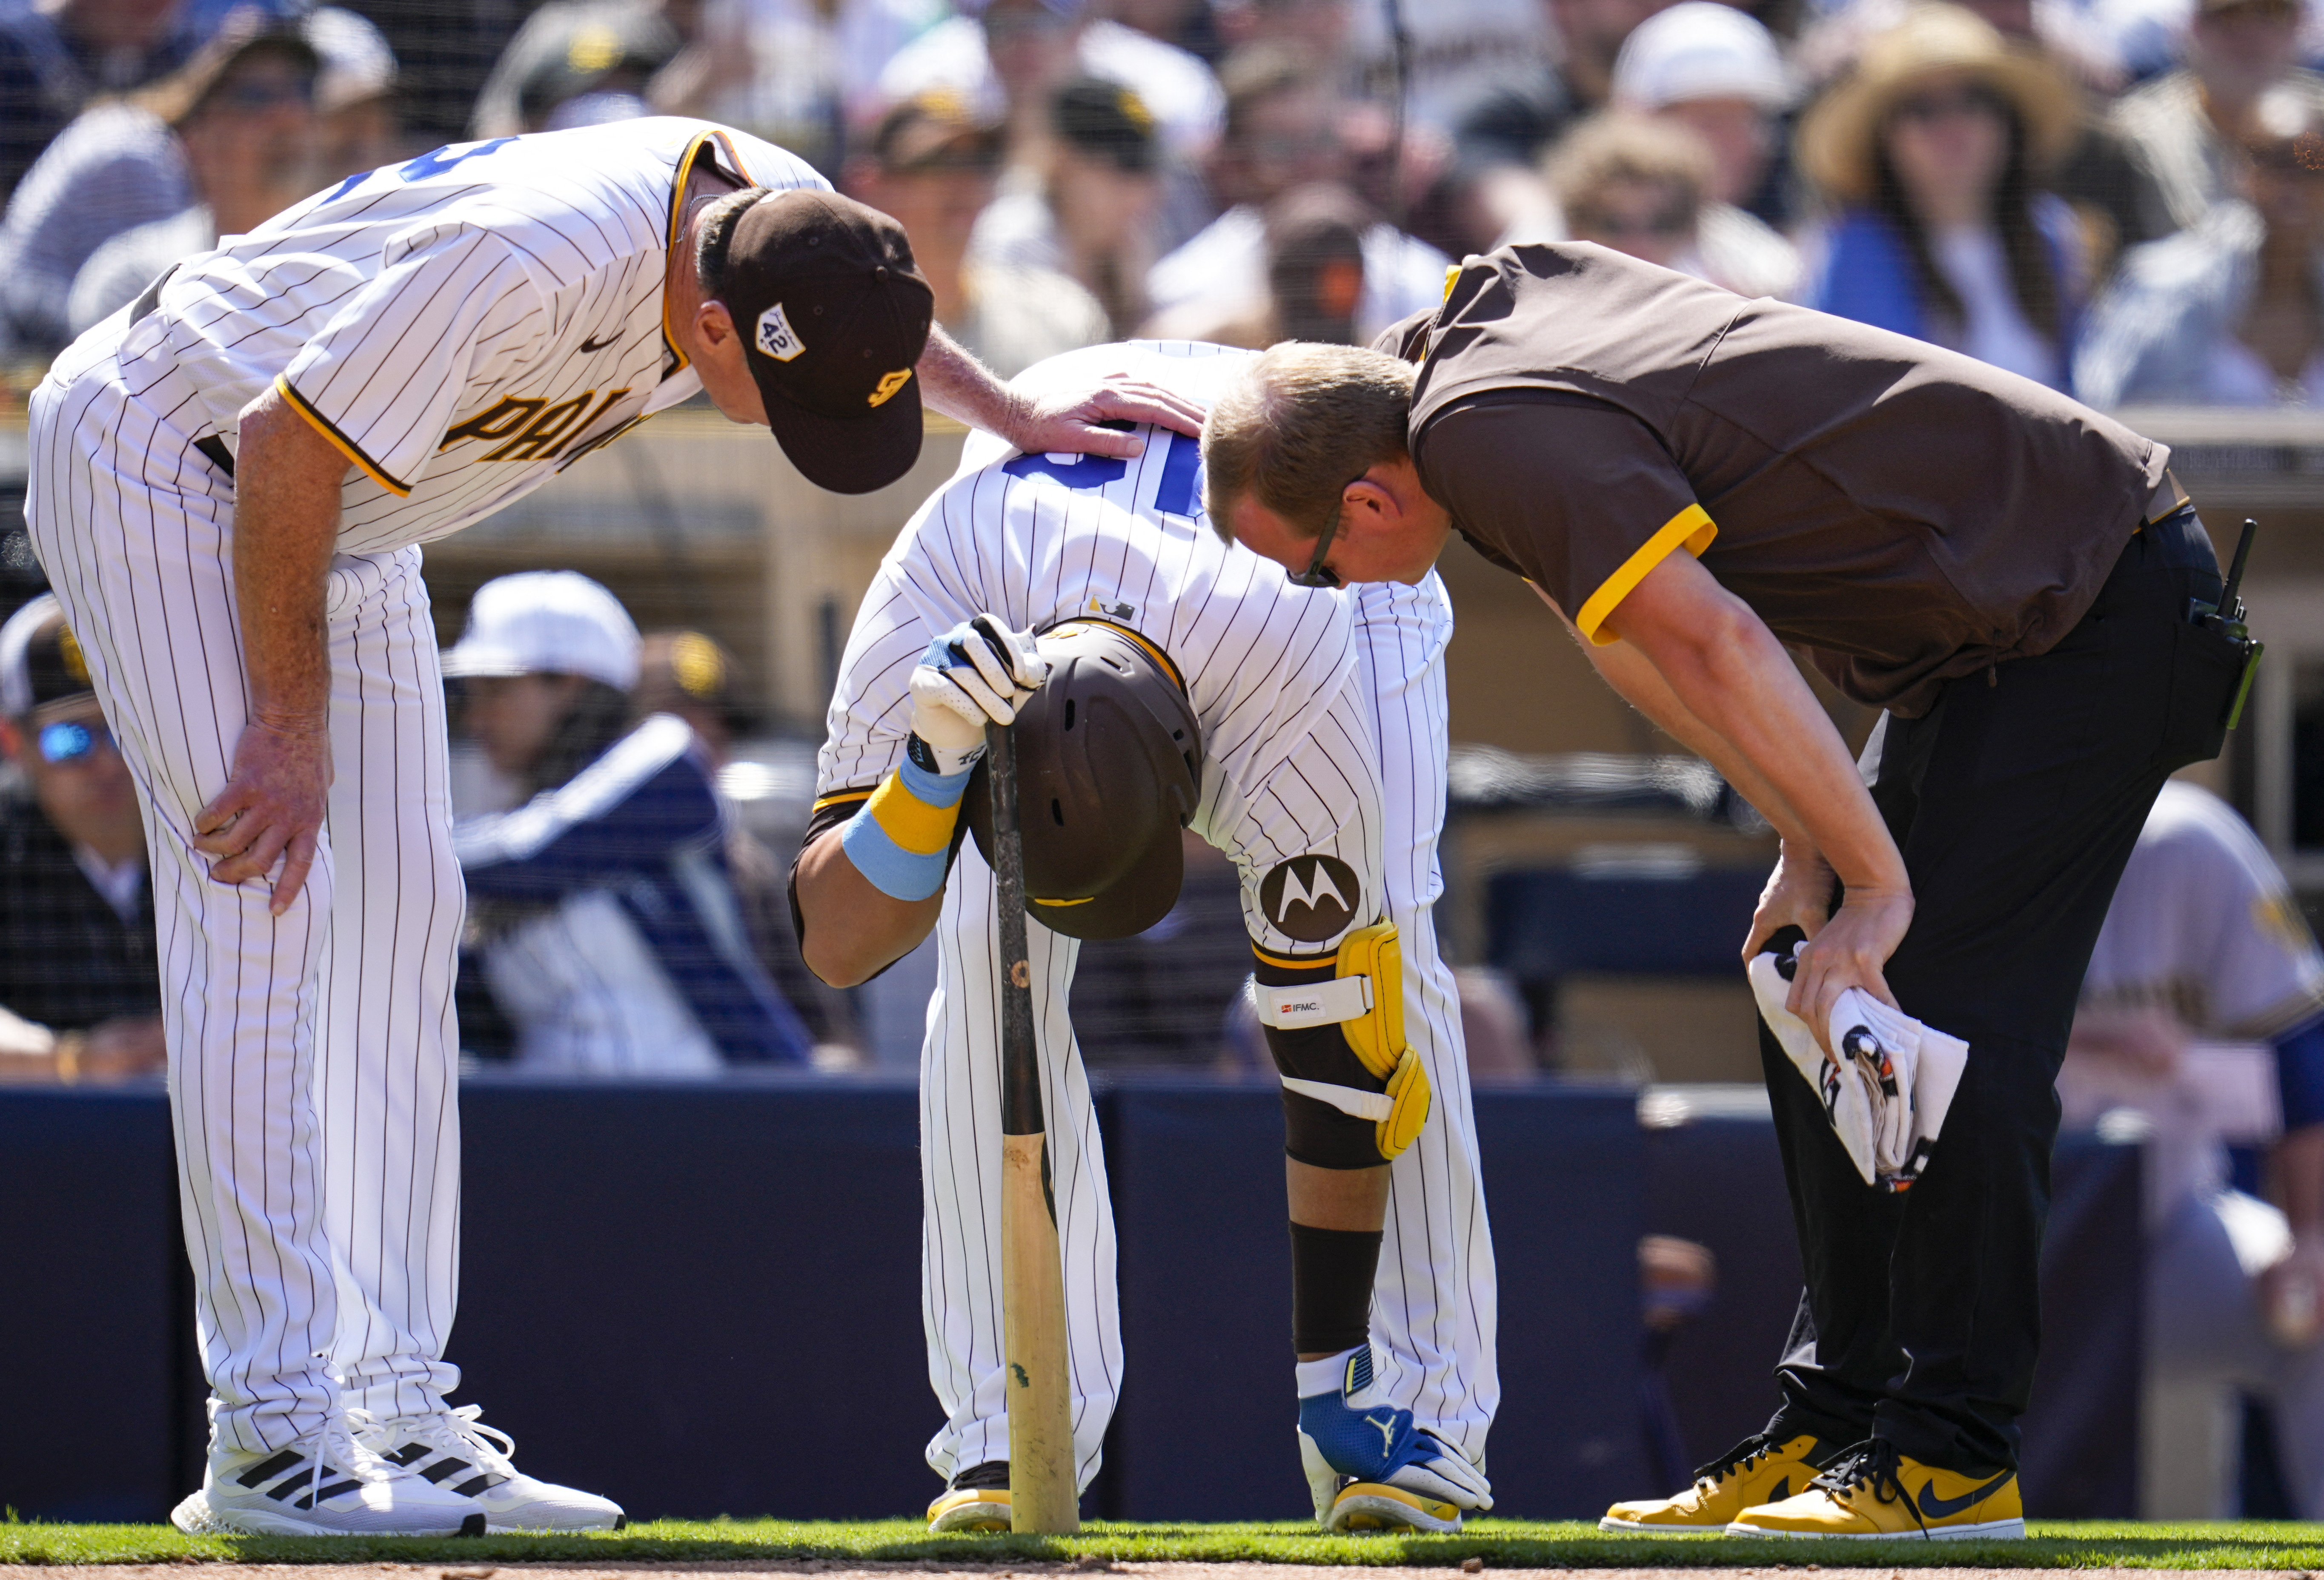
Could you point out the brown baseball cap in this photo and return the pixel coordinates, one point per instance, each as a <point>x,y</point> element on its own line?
<point>833,316</point>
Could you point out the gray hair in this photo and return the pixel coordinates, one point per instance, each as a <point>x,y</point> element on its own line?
<point>717,236</point>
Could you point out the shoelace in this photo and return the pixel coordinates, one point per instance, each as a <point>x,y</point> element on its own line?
<point>1873,1465</point>
<point>1742,1457</point>
<point>460,1431</point>
<point>338,1449</point>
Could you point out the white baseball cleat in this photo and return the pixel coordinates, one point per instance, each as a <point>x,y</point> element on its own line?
<point>454,1450</point>
<point>328,1483</point>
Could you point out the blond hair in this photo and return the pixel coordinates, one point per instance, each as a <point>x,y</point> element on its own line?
<point>1302,422</point>
<point>1613,148</point>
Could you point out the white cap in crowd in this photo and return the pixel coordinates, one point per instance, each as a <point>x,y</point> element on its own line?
<point>357,63</point>
<point>1701,48</point>
<point>546,622</point>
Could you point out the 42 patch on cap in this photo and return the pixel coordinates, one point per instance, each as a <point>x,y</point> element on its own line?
<point>1312,898</point>
<point>776,336</point>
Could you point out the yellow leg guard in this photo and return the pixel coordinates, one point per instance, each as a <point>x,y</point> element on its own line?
<point>1409,1089</point>
<point>1377,1034</point>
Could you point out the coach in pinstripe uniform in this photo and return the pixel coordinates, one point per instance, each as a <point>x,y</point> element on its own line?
<point>230,482</point>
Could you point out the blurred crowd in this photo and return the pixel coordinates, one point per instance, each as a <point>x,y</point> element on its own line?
<point>2117,197</point>
<point>2121,198</point>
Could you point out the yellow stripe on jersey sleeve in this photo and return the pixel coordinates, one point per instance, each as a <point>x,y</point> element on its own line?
<point>1691,526</point>
<point>340,441</point>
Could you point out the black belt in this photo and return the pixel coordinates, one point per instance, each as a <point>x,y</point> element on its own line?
<point>2180,540</point>
<point>212,447</point>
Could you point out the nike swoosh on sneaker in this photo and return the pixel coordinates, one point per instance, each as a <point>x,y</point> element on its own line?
<point>1935,1508</point>
<point>587,345</point>
<point>1780,1490</point>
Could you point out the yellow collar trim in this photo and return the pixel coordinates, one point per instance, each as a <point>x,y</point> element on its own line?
<point>702,141</point>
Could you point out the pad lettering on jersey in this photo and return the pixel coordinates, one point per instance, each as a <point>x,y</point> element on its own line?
<point>778,339</point>
<point>534,430</point>
<point>1311,898</point>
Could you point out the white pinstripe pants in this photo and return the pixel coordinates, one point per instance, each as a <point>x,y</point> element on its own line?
<point>1435,1300</point>
<point>311,1055</point>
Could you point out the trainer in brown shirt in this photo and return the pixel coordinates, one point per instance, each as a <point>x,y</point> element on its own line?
<point>2009,574</point>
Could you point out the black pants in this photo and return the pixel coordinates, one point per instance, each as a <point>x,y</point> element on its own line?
<point>2015,801</point>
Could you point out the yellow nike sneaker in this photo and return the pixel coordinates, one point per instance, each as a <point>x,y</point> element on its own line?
<point>1758,1469</point>
<point>1875,1491</point>
<point>977,1499</point>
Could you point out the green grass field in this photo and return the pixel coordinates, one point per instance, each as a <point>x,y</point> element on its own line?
<point>1501,1543</point>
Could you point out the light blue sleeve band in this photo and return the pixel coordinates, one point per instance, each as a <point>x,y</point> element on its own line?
<point>931,788</point>
<point>888,867</point>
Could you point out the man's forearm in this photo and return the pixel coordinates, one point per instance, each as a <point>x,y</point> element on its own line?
<point>286,518</point>
<point>1721,663</point>
<point>850,930</point>
<point>955,383</point>
<point>1639,683</point>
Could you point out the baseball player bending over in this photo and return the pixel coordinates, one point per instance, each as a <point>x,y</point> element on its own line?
<point>1163,680</point>
<point>230,482</point>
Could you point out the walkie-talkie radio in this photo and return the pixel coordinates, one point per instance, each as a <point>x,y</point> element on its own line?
<point>2227,618</point>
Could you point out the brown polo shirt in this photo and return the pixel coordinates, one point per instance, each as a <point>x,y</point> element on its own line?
<point>1904,513</point>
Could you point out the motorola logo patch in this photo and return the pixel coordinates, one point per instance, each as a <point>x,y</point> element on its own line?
<point>1311,898</point>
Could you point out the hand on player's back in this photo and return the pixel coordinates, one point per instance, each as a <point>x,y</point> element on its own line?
<point>271,809</point>
<point>1067,423</point>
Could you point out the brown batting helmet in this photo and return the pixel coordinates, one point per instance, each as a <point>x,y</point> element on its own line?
<point>1109,769</point>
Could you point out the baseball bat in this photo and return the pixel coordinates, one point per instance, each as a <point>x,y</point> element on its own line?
<point>1043,1495</point>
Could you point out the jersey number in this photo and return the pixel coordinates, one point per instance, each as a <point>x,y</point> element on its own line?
<point>1176,494</point>
<point>427,164</point>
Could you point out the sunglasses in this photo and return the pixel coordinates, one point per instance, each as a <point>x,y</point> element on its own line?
<point>1672,220</point>
<point>70,741</point>
<point>1938,107</point>
<point>1008,27</point>
<point>258,94</point>
<point>1318,574</point>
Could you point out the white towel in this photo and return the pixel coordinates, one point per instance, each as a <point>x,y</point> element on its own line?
<point>1888,1095</point>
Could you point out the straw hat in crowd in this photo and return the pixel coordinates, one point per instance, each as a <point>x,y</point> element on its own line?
<point>1838,136</point>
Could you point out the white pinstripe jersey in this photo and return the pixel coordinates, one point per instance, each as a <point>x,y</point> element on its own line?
<point>463,325</point>
<point>1270,667</point>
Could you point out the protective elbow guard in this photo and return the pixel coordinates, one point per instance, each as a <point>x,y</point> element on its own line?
<point>1338,1041</point>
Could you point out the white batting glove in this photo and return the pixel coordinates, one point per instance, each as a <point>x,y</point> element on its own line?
<point>976,674</point>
